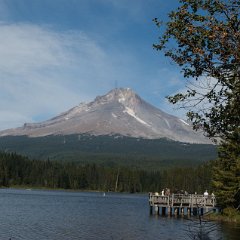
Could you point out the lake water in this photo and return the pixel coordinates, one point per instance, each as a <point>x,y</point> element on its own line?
<point>64,215</point>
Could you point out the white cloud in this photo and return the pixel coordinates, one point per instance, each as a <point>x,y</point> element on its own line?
<point>43,72</point>
<point>26,47</point>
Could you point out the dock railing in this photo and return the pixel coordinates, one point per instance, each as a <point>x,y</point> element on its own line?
<point>181,201</point>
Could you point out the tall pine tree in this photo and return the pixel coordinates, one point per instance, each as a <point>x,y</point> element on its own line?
<point>226,177</point>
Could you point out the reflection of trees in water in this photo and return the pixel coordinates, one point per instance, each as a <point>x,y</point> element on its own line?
<point>199,229</point>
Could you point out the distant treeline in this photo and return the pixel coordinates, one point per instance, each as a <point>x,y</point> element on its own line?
<point>110,150</point>
<point>16,170</point>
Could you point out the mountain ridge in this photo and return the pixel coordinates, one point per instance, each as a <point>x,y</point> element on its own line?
<point>121,111</point>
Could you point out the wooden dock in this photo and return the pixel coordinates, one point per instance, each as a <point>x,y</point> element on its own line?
<point>181,204</point>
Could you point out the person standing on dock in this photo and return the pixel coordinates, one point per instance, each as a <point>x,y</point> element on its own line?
<point>205,194</point>
<point>167,191</point>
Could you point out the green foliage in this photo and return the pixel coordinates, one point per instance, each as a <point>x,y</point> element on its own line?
<point>110,150</point>
<point>203,38</point>
<point>230,212</point>
<point>16,170</point>
<point>226,178</point>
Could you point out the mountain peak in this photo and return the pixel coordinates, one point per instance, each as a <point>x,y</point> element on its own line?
<point>119,94</point>
<point>121,91</point>
<point>121,111</point>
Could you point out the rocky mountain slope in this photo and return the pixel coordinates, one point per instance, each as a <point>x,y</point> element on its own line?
<point>119,112</point>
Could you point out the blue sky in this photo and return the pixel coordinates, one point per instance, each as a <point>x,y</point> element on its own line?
<point>55,54</point>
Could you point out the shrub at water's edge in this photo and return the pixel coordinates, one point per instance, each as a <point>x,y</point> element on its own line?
<point>230,215</point>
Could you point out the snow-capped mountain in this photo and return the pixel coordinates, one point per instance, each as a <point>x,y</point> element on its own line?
<point>119,112</point>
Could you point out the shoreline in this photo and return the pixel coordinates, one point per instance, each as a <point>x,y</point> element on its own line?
<point>20,187</point>
<point>230,216</point>
<point>29,188</point>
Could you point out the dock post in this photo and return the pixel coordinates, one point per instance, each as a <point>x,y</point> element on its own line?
<point>163,211</point>
<point>189,211</point>
<point>150,210</point>
<point>176,211</point>
<point>169,211</point>
<point>218,210</point>
<point>206,209</point>
<point>156,209</point>
<point>182,211</point>
<point>195,211</point>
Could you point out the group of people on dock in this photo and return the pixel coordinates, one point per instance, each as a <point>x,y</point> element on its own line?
<point>167,192</point>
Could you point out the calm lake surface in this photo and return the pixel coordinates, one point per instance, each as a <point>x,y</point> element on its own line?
<point>63,215</point>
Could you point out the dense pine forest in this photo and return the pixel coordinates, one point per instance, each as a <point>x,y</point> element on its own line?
<point>115,151</point>
<point>20,171</point>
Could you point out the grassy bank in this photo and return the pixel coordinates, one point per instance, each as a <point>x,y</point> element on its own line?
<point>229,215</point>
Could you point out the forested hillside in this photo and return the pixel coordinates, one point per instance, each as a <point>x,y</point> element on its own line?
<point>16,170</point>
<point>110,150</point>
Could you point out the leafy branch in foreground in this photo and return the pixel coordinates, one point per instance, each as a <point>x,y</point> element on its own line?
<point>203,38</point>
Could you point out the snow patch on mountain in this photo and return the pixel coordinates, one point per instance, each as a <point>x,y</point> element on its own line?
<point>166,121</point>
<point>118,112</point>
<point>122,100</point>
<point>133,114</point>
<point>184,122</point>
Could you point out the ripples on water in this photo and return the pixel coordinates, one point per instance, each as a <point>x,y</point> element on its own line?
<point>50,215</point>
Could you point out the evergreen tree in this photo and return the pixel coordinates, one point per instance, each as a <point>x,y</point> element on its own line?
<point>226,178</point>
<point>203,38</point>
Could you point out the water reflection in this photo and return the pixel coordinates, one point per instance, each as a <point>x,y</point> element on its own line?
<point>198,229</point>
<point>51,215</point>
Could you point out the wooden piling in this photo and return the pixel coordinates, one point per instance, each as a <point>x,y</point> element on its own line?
<point>177,204</point>
<point>163,211</point>
<point>150,210</point>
